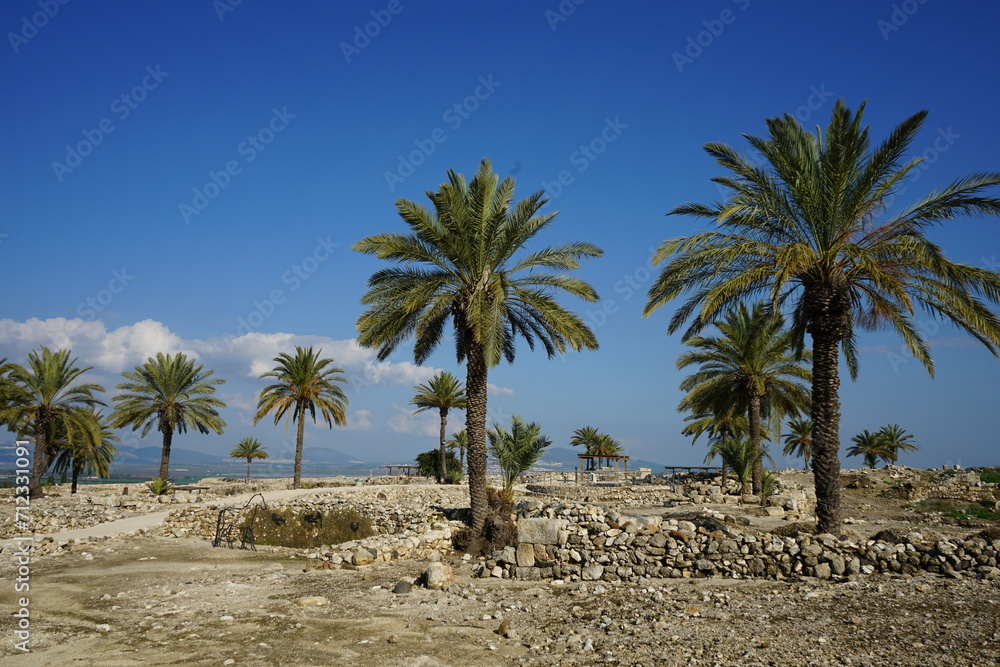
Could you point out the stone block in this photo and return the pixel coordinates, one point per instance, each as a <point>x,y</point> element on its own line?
<point>539,531</point>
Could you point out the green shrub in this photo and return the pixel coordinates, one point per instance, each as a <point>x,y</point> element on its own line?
<point>989,475</point>
<point>430,464</point>
<point>159,487</point>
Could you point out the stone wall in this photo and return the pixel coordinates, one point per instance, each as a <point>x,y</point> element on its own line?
<point>579,541</point>
<point>405,525</point>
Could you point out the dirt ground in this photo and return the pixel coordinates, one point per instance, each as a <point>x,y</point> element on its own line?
<point>168,601</point>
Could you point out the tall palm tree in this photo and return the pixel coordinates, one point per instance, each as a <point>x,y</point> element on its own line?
<point>459,440</point>
<point>170,392</point>
<point>442,392</point>
<point>750,368</point>
<point>461,263</point>
<point>304,383</point>
<point>43,393</point>
<point>872,446</point>
<point>249,449</point>
<point>798,442</point>
<point>810,229</point>
<point>897,439</point>
<point>82,454</point>
<point>516,450</point>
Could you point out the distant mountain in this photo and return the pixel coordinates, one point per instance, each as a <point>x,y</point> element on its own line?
<point>564,458</point>
<point>147,455</point>
<point>328,455</point>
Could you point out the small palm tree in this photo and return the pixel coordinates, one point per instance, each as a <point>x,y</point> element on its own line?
<point>41,395</point>
<point>799,441</point>
<point>466,263</point>
<point>808,229</point>
<point>740,454</point>
<point>749,368</point>
<point>872,446</point>
<point>587,437</point>
<point>516,450</point>
<point>460,441</point>
<point>443,392</point>
<point>720,426</point>
<point>249,449</point>
<point>303,383</point>
<point>169,393</point>
<point>897,439</point>
<point>82,454</point>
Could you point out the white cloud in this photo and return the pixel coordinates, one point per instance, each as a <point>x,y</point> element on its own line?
<point>494,390</point>
<point>422,424</point>
<point>359,420</point>
<point>246,356</point>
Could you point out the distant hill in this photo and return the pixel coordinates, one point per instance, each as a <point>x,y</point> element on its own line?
<point>148,455</point>
<point>564,458</point>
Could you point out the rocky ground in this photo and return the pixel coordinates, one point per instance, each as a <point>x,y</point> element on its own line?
<point>154,600</point>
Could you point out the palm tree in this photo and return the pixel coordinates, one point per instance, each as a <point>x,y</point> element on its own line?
<point>897,439</point>
<point>720,426</point>
<point>740,454</point>
<point>460,263</point>
<point>249,449</point>
<point>442,392</point>
<point>589,438</point>
<point>799,441</point>
<point>303,382</point>
<point>82,454</point>
<point>171,393</point>
<point>750,368</point>
<point>810,229</point>
<point>42,394</point>
<point>460,441</point>
<point>873,446</point>
<point>516,450</point>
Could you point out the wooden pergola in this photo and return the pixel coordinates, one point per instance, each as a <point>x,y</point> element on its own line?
<point>403,470</point>
<point>607,459</point>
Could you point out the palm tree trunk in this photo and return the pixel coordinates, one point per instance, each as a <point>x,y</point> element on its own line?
<point>76,478</point>
<point>41,461</point>
<point>475,426</point>
<point>299,435</point>
<point>248,469</point>
<point>168,439</point>
<point>444,462</point>
<point>753,417</point>
<point>826,427</point>
<point>724,433</point>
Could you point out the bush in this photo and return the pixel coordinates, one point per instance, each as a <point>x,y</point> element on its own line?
<point>159,487</point>
<point>430,465</point>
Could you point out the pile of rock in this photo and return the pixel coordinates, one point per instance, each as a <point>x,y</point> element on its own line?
<point>589,543</point>
<point>408,522</point>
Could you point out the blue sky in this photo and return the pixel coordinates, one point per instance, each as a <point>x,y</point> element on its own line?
<point>191,175</point>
